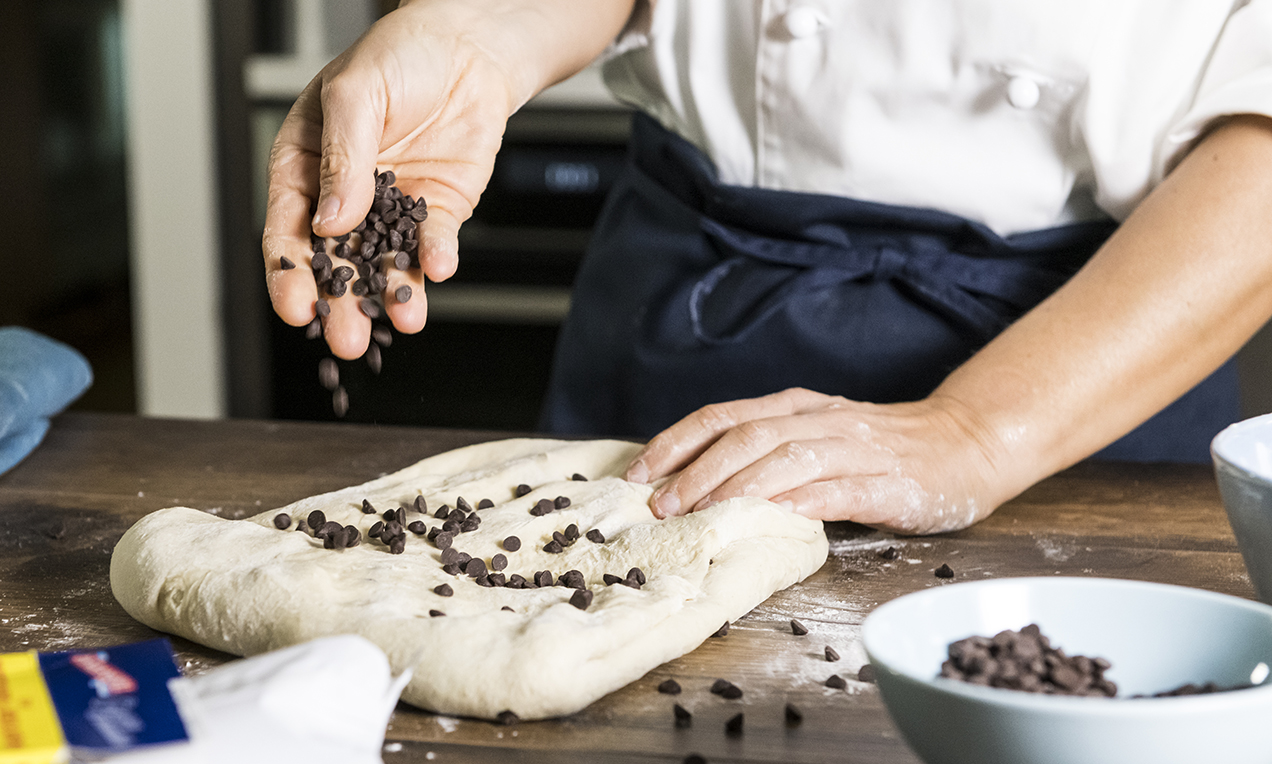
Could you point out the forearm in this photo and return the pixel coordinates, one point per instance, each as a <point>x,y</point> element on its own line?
<point>1184,282</point>
<point>538,42</point>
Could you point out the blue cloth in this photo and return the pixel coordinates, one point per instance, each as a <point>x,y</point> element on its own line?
<point>38,378</point>
<point>695,292</point>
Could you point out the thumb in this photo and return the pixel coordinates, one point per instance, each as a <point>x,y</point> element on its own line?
<point>352,125</point>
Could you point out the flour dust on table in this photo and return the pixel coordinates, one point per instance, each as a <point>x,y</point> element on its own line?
<point>519,579</point>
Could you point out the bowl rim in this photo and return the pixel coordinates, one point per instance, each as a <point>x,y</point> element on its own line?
<point>1070,704</point>
<point>1224,462</point>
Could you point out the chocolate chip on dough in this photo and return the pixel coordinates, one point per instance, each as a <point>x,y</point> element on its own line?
<point>581,599</point>
<point>302,526</point>
<point>421,506</point>
<point>398,545</point>
<point>726,689</point>
<point>451,570</point>
<point>571,533</point>
<point>866,674</point>
<point>573,579</point>
<point>510,610</point>
<point>543,578</point>
<point>375,529</point>
<point>353,536</point>
<point>577,477</point>
<point>793,716</point>
<point>498,562</point>
<point>831,655</point>
<point>521,490</point>
<point>316,519</point>
<point>595,536</point>
<point>442,512</point>
<point>722,631</point>
<point>282,521</point>
<point>462,504</point>
<point>683,717</point>
<point>417,527</point>
<point>945,571</point>
<point>485,504</point>
<point>475,567</point>
<point>367,508</point>
<point>561,502</point>
<point>443,590</point>
<point>733,727</point>
<point>669,687</point>
<point>610,579</point>
<point>837,682</point>
<point>553,547</point>
<point>541,508</point>
<point>637,575</point>
<point>797,628</point>
<point>512,543</point>
<point>436,613</point>
<point>443,541</point>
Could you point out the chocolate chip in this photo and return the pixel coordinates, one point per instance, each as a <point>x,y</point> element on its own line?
<point>669,687</point>
<point>436,613</point>
<point>402,293</point>
<point>464,559</point>
<point>496,579</point>
<point>322,308</point>
<point>485,504</point>
<point>374,361</point>
<point>733,727</point>
<point>314,329</point>
<point>451,527</point>
<point>397,545</point>
<point>302,526</point>
<point>462,504</point>
<point>282,521</point>
<point>560,538</point>
<point>543,578</point>
<point>353,536</point>
<point>367,508</point>
<point>831,655</point>
<point>553,547</point>
<point>401,261</point>
<point>470,524</point>
<point>451,569</point>
<point>285,263</point>
<point>475,567</point>
<point>581,599</point>
<point>945,571</point>
<point>369,307</point>
<point>419,213</point>
<point>610,579</point>
<point>512,543</point>
<point>443,590</point>
<point>327,528</point>
<point>836,682</point>
<point>542,507</point>
<point>498,562</point>
<point>344,272</point>
<point>890,553</point>
<point>683,717</point>
<point>443,541</point>
<point>866,674</point>
<point>417,527</point>
<point>722,631</point>
<point>793,716</point>
<point>337,288</point>
<point>507,717</point>
<point>521,490</point>
<point>420,505</point>
<point>442,512</point>
<point>578,477</point>
<point>595,536</point>
<point>510,610</point>
<point>382,336</point>
<point>797,628</point>
<point>457,515</point>
<point>637,575</point>
<point>573,579</point>
<point>319,261</point>
<point>375,529</point>
<point>340,402</point>
<point>726,689</point>
<point>517,581</point>
<point>561,502</point>
<point>571,533</point>
<point>360,289</point>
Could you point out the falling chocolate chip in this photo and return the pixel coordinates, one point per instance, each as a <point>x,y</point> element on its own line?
<point>797,628</point>
<point>340,402</point>
<point>836,682</point>
<point>683,717</point>
<point>370,308</point>
<point>945,571</point>
<point>866,674</point>
<point>733,727</point>
<point>581,598</point>
<point>722,631</point>
<point>793,716</point>
<point>890,553</point>
<point>374,361</point>
<point>831,655</point>
<point>521,490</point>
<point>322,308</point>
<point>669,687</point>
<point>512,543</point>
<point>382,336</point>
<point>443,590</point>
<point>595,536</point>
<point>314,329</point>
<point>282,521</point>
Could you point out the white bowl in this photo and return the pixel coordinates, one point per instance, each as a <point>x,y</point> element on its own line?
<point>1242,455</point>
<point>1157,637</point>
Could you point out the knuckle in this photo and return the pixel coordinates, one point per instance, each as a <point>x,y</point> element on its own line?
<point>715,417</point>
<point>751,436</point>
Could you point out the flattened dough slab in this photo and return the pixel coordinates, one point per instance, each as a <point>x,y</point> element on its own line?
<point>245,587</point>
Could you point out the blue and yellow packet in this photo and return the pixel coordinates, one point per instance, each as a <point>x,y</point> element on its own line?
<point>95,702</point>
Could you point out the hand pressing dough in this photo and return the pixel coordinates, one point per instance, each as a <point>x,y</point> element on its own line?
<point>245,587</point>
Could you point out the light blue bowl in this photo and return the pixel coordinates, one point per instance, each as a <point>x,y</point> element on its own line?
<point>1157,637</point>
<point>1242,454</point>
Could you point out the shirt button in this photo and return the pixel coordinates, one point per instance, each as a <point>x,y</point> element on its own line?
<point>802,21</point>
<point>1023,93</point>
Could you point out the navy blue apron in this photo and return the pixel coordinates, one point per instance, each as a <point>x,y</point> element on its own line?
<point>695,292</point>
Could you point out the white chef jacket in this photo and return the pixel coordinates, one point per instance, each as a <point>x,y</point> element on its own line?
<point>1021,114</point>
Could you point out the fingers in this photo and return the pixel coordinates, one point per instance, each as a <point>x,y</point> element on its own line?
<point>689,438</point>
<point>347,329</point>
<point>292,291</point>
<point>353,116</point>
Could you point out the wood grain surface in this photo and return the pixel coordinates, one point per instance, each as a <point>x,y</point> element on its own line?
<point>63,509</point>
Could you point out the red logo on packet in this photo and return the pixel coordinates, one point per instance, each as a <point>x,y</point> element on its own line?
<point>105,676</point>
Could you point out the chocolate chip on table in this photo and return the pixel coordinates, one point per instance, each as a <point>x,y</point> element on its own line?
<point>512,543</point>
<point>891,553</point>
<point>866,674</point>
<point>282,521</point>
<point>945,571</point>
<point>553,547</point>
<point>595,536</point>
<point>402,293</point>
<point>581,598</point>
<point>498,562</point>
<point>683,717</point>
<point>577,477</point>
<point>521,490</point>
<point>285,263</point>
<point>507,717</point>
<point>836,682</point>
<point>733,727</point>
<point>793,716</point>
<point>726,689</point>
<point>722,631</point>
<point>443,590</point>
<point>831,655</point>
<point>436,613</point>
<point>669,687</point>
<point>797,628</point>
<point>561,502</point>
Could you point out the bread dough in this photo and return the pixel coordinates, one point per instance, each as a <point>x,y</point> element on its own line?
<point>245,587</point>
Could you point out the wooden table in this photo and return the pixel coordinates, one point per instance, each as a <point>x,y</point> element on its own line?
<point>62,510</point>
